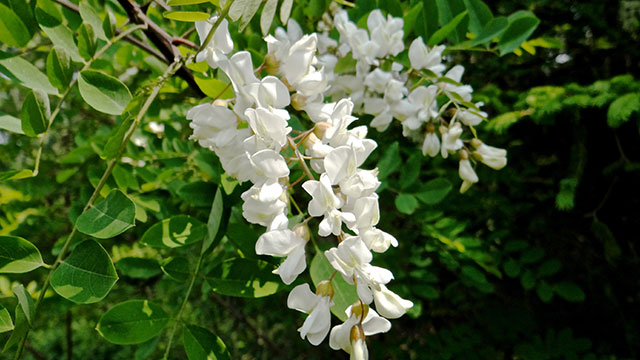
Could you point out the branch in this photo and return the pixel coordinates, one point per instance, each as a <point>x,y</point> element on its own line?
<point>161,39</point>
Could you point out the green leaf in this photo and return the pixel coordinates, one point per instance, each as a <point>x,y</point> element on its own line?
<point>185,2</point>
<point>177,269</point>
<point>491,30</point>
<point>285,11</point>
<point>114,143</point>
<point>479,15</point>
<point>345,294</point>
<point>90,16</point>
<point>26,73</point>
<point>544,291</point>
<point>214,222</point>
<point>549,267</point>
<point>444,31</point>
<point>63,37</point>
<point>622,108</point>
<point>512,268</point>
<point>13,32</point>
<point>18,255</point>
<point>213,87</point>
<point>59,70</point>
<point>111,217</point>
<point>201,344</point>
<point>411,171</point>
<point>176,231</point>
<point>35,113</point>
<point>411,18</point>
<point>434,191</point>
<point>48,14</point>
<point>103,92</point>
<point>569,291</point>
<point>566,194</point>
<point>521,25</point>
<point>86,276</point>
<point>390,161</point>
<point>528,280</point>
<point>132,322</point>
<point>268,13</point>
<point>11,123</point>
<point>6,324</point>
<point>244,278</point>
<point>15,175</point>
<point>244,10</point>
<point>138,268</point>
<point>345,64</point>
<point>532,255</point>
<point>406,203</point>
<point>25,302</point>
<point>20,329</point>
<point>187,16</point>
<point>86,41</point>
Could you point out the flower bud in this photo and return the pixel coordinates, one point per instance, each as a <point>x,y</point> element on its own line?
<point>360,309</point>
<point>325,288</point>
<point>431,128</point>
<point>476,143</point>
<point>310,140</point>
<point>220,102</point>
<point>321,128</point>
<point>303,231</point>
<point>271,64</point>
<point>463,155</point>
<point>298,101</point>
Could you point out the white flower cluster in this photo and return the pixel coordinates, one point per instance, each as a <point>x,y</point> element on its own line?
<point>420,97</point>
<point>250,134</point>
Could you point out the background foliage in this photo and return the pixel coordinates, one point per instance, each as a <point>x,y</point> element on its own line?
<point>537,261</point>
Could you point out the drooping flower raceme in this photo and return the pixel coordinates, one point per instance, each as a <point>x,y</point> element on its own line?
<point>254,137</point>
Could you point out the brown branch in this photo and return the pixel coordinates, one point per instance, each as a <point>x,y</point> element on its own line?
<point>161,39</point>
<point>166,52</point>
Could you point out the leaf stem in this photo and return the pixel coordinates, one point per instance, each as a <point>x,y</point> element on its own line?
<point>103,180</point>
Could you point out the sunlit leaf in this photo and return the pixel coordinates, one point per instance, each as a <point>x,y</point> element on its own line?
<point>86,276</point>
<point>132,322</point>
<point>103,92</point>
<point>18,255</point>
<point>110,217</point>
<point>244,278</point>
<point>202,344</point>
<point>176,231</point>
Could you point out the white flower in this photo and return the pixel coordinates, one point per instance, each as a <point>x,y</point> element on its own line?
<point>422,58</point>
<point>455,74</point>
<point>340,164</point>
<point>219,44</point>
<point>386,33</point>
<point>377,80</point>
<point>466,172</point>
<point>239,69</point>
<point>376,239</point>
<point>351,258</point>
<point>262,205</point>
<point>269,92</point>
<point>424,100</point>
<point>212,125</point>
<point>284,243</point>
<point>270,126</point>
<point>431,144</point>
<point>372,323</point>
<point>268,166</point>
<point>450,139</point>
<point>316,326</point>
<point>325,202</point>
<point>472,117</point>
<point>389,304</point>
<point>493,157</point>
